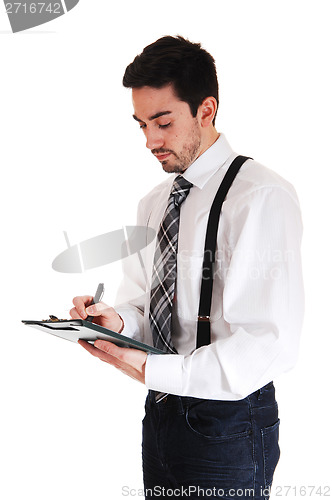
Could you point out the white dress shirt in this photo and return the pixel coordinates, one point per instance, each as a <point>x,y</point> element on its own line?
<point>257,302</point>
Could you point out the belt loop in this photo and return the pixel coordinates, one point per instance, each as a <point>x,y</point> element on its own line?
<point>180,405</point>
<point>259,393</point>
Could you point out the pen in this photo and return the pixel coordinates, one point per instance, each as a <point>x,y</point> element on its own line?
<point>97,298</point>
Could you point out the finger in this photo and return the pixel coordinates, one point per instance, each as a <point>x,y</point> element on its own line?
<point>80,304</point>
<point>100,309</point>
<point>89,347</point>
<point>74,314</point>
<point>123,354</point>
<point>98,353</point>
<point>110,348</point>
<point>128,361</point>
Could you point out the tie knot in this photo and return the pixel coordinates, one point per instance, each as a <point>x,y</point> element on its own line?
<point>180,189</point>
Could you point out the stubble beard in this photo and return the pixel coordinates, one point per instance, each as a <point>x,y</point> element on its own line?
<point>186,157</point>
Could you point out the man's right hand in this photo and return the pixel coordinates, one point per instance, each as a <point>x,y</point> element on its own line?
<point>104,315</point>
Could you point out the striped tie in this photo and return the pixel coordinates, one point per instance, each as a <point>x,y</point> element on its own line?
<point>164,268</point>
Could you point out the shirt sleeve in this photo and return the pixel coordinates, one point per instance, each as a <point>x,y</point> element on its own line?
<point>262,304</point>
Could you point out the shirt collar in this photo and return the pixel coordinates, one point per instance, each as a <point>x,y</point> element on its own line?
<point>208,163</point>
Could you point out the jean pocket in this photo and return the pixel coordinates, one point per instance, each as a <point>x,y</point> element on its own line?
<point>218,420</point>
<point>271,451</point>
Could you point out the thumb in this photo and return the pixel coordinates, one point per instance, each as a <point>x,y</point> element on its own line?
<point>97,309</point>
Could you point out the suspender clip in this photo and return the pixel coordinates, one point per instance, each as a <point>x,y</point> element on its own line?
<point>203,318</point>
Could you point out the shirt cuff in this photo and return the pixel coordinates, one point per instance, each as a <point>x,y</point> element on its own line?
<point>130,323</point>
<point>163,373</point>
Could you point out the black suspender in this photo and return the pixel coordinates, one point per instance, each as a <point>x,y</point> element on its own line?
<point>203,324</point>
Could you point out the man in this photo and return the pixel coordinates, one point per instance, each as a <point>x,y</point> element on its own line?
<point>216,431</point>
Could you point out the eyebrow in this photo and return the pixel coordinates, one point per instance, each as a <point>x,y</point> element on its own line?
<point>153,117</point>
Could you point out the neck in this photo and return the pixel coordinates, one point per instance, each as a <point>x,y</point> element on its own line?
<point>209,140</point>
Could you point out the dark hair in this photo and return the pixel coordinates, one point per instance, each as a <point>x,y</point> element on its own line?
<point>175,60</point>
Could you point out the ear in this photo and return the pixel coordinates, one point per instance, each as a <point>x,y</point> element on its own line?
<point>206,111</point>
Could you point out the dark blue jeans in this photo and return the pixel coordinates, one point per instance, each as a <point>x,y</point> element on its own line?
<point>198,448</point>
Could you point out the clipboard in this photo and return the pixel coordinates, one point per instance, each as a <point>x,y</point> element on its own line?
<point>80,329</point>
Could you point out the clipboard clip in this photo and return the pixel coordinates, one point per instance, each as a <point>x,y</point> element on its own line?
<point>53,318</point>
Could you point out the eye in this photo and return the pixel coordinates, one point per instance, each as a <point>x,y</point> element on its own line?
<point>165,126</point>
<point>142,126</point>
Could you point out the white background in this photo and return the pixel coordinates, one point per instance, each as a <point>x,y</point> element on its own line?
<point>73,159</point>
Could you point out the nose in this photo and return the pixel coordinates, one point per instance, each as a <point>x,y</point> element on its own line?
<point>154,139</point>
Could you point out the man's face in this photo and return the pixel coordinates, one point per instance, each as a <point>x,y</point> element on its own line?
<point>172,134</point>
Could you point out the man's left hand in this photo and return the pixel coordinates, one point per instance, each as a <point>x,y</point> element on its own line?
<point>127,360</point>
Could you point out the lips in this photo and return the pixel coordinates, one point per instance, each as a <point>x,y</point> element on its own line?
<point>163,156</point>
